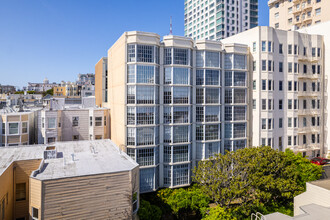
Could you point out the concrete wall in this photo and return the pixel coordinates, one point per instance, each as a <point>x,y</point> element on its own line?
<point>117,85</point>
<point>323,29</point>
<point>98,82</point>
<point>314,194</point>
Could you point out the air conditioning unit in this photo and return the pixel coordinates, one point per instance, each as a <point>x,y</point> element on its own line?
<point>50,152</point>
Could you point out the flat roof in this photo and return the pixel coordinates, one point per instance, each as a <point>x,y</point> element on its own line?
<point>74,158</point>
<point>8,155</point>
<point>311,212</point>
<point>325,183</point>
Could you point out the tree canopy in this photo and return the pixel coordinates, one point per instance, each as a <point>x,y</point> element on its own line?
<point>254,177</point>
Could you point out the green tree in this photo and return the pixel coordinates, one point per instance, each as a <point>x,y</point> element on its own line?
<point>148,211</point>
<point>184,201</point>
<point>48,92</point>
<point>251,178</point>
<point>218,213</point>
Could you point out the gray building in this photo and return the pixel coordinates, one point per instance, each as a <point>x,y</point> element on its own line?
<point>218,19</point>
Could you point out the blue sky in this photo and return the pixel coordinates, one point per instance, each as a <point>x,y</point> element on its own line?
<point>58,39</point>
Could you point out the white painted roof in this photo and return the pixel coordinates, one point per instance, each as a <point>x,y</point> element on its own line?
<point>311,212</point>
<point>75,158</point>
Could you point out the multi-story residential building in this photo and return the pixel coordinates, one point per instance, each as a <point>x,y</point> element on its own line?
<point>12,100</point>
<point>287,87</point>
<point>87,90</point>
<point>86,79</point>
<point>68,180</point>
<point>101,81</point>
<point>7,89</point>
<point>176,102</point>
<point>296,14</point>
<point>218,19</point>
<point>74,90</point>
<point>323,29</point>
<point>72,124</point>
<point>17,127</point>
<point>41,87</point>
<point>59,91</point>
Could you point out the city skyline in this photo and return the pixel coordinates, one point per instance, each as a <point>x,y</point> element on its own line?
<point>65,31</point>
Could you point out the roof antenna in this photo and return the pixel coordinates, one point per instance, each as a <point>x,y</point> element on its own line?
<point>171,29</point>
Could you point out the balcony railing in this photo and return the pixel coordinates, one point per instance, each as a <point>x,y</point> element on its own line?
<point>309,129</point>
<point>309,94</point>
<point>302,112</point>
<point>308,59</point>
<point>309,76</point>
<point>306,147</point>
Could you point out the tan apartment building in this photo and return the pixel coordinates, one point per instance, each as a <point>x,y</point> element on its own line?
<point>59,91</point>
<point>297,14</point>
<point>101,82</point>
<point>17,128</point>
<point>68,180</point>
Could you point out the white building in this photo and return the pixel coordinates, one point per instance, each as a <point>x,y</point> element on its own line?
<point>323,29</point>
<point>66,119</point>
<point>170,104</point>
<point>86,79</point>
<point>218,19</point>
<point>287,84</point>
<point>41,87</point>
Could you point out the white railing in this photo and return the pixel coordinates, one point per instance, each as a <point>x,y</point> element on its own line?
<point>258,216</point>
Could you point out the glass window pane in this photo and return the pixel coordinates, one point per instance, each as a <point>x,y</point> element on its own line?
<point>239,78</point>
<point>239,61</point>
<point>212,77</point>
<point>181,76</point>
<point>145,74</point>
<point>212,95</point>
<point>180,134</point>
<point>180,56</point>
<point>181,95</point>
<point>145,53</point>
<point>212,59</point>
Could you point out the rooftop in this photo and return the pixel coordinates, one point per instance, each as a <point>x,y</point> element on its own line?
<point>325,183</point>
<point>79,158</point>
<point>312,212</point>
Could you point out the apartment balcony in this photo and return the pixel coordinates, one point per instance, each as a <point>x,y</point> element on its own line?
<point>308,94</point>
<point>306,147</point>
<point>296,12</point>
<point>308,7</point>
<point>308,59</point>
<point>308,130</point>
<point>310,112</point>
<point>305,76</point>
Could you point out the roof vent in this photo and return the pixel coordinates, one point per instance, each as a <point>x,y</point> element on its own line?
<point>50,152</point>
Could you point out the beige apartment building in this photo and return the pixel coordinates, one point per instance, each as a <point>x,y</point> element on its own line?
<point>175,102</point>
<point>101,82</point>
<point>297,14</point>
<point>17,128</point>
<point>68,180</point>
